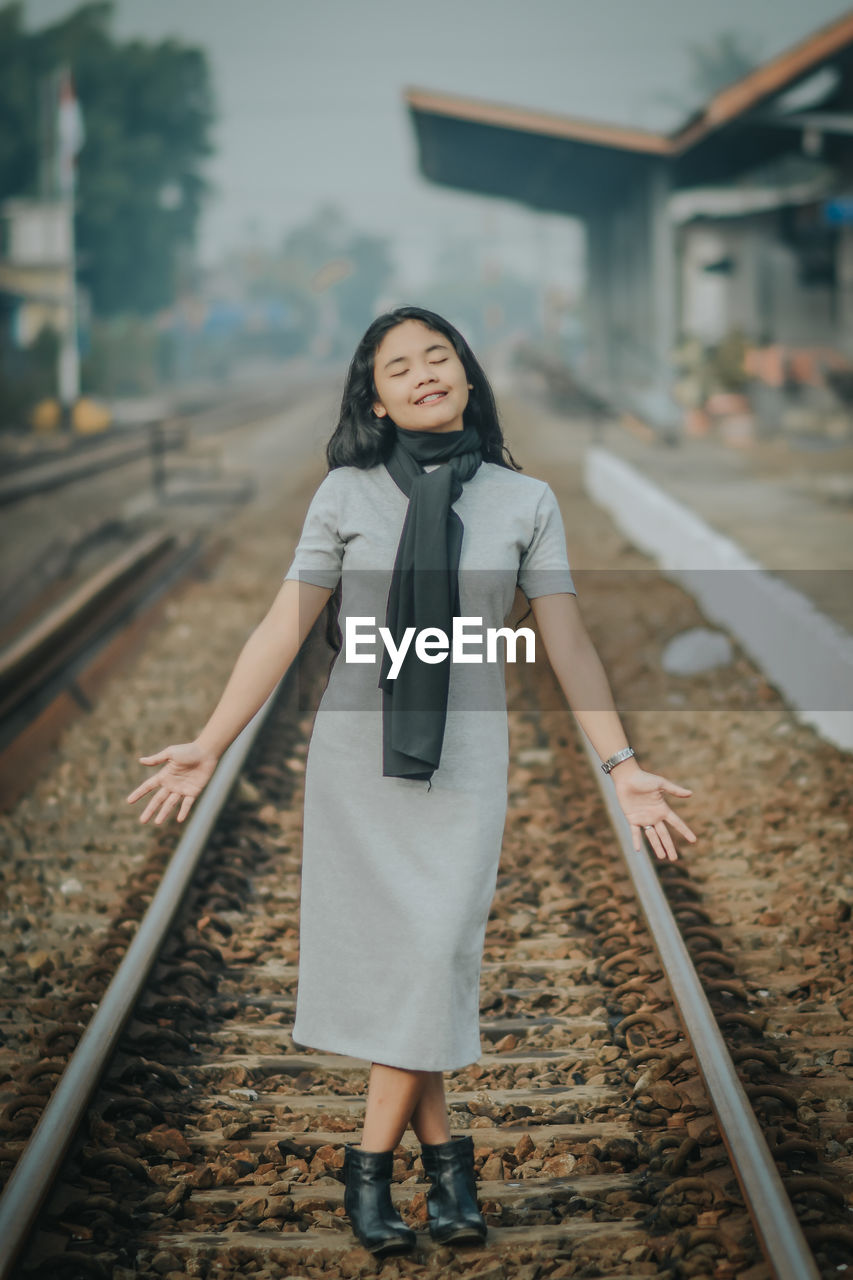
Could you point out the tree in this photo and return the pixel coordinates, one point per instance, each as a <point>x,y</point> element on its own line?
<point>715,63</point>
<point>148,109</point>
<point>326,240</point>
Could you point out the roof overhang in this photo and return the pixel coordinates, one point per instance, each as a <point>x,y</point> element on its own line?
<point>575,166</point>
<point>549,162</point>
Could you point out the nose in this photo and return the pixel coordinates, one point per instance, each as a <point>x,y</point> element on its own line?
<point>426,376</point>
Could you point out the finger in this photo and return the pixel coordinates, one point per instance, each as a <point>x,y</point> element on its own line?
<point>153,804</point>
<point>144,787</point>
<point>186,805</point>
<point>676,821</point>
<point>168,805</point>
<point>675,789</point>
<point>661,842</point>
<point>636,838</point>
<point>160,758</point>
<point>666,840</point>
<point>652,838</point>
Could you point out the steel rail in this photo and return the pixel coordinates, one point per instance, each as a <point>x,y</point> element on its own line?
<point>23,654</point>
<point>782,1240</point>
<point>40,1161</point>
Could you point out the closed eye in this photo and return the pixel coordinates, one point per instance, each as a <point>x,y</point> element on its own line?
<point>402,372</point>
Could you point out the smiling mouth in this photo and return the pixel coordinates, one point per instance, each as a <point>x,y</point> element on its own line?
<point>432,398</point>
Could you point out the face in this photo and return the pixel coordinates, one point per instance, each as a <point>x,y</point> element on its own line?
<point>420,380</point>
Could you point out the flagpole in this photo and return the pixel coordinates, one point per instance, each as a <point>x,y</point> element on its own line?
<point>69,357</point>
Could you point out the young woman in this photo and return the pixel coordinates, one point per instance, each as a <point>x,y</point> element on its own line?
<point>422,522</point>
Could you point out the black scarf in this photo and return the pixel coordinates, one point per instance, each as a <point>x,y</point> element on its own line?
<point>424,592</point>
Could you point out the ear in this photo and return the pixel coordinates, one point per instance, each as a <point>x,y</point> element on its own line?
<point>379,409</point>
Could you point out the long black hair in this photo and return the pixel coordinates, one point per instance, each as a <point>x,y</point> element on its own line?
<point>363,440</point>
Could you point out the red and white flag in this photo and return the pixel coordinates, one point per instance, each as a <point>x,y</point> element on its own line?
<point>71,132</point>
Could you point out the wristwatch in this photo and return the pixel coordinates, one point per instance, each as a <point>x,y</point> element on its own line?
<point>616,758</point>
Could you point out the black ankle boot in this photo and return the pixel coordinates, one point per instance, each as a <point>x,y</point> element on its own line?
<point>367,1200</point>
<point>452,1199</point>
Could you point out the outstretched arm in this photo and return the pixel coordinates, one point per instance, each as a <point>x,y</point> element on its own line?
<point>265,657</point>
<point>582,678</point>
<point>263,660</point>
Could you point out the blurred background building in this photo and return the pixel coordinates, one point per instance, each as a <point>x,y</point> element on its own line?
<point>181,198</point>
<point>716,254</point>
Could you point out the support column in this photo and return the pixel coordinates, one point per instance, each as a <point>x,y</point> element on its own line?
<point>663,277</point>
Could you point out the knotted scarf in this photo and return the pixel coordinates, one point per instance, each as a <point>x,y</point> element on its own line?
<point>424,592</point>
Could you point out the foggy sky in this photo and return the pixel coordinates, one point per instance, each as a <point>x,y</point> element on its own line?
<point>310,99</point>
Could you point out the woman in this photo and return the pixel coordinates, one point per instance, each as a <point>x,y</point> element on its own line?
<point>422,522</point>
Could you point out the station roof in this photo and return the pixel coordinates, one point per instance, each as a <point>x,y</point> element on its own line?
<point>575,166</point>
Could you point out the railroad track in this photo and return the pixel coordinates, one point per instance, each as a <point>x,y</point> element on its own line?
<point>50,657</point>
<point>213,1145</point>
<point>89,456</point>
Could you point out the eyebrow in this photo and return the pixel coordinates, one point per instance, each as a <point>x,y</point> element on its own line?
<point>436,346</point>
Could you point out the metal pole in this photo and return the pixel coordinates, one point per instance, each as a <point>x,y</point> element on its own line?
<point>69,357</point>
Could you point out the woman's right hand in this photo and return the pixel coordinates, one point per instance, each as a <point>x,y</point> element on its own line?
<point>187,769</point>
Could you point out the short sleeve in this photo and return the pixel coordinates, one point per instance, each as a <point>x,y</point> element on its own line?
<point>544,566</point>
<point>319,553</point>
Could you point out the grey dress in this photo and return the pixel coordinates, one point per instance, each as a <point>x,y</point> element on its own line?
<point>398,875</point>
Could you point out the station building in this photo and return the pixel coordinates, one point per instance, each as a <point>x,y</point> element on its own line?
<point>735,228</point>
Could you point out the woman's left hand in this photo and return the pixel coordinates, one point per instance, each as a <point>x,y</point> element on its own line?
<point>641,796</point>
